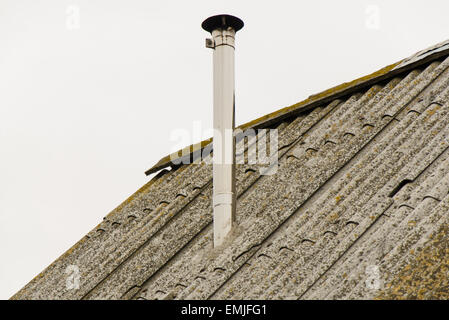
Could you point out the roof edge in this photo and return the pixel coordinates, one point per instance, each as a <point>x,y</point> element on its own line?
<point>315,100</point>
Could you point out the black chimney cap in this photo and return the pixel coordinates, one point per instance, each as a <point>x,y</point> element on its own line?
<point>222,21</point>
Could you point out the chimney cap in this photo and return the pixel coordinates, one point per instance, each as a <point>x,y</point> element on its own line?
<point>222,21</point>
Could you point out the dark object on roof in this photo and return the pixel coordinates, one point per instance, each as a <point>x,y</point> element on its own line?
<point>222,21</point>
<point>357,210</point>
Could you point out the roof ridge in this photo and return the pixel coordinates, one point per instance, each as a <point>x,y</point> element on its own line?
<point>418,59</point>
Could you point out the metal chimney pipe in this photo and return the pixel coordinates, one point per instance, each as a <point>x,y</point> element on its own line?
<point>223,29</point>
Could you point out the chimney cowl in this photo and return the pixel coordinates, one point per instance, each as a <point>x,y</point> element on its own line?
<point>222,21</point>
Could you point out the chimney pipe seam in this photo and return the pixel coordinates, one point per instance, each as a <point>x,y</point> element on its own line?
<point>224,198</point>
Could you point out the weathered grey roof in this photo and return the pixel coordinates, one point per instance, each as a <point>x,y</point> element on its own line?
<point>415,61</point>
<point>357,209</point>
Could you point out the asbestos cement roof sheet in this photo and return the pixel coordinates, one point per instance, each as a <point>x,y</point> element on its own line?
<point>358,209</point>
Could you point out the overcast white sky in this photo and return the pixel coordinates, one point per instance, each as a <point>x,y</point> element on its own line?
<point>90,91</point>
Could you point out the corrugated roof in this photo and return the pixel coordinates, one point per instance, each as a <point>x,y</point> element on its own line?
<point>357,209</point>
<point>420,58</point>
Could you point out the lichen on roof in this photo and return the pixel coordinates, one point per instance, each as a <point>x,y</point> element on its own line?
<point>427,276</point>
<point>388,72</point>
<point>278,115</point>
<point>362,182</point>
